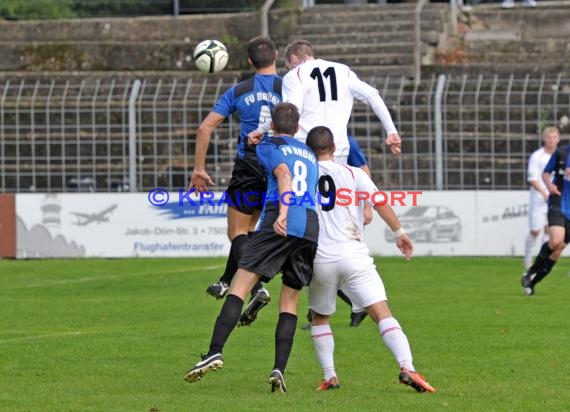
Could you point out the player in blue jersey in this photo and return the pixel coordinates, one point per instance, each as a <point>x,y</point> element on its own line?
<point>556,176</point>
<point>253,99</point>
<point>285,241</point>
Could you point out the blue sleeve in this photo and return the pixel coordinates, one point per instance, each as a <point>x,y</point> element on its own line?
<point>226,104</point>
<point>355,156</point>
<point>269,156</point>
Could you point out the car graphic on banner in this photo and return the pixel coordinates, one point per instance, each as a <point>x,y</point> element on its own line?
<point>429,224</point>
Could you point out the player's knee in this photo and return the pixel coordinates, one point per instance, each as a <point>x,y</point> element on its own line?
<point>555,243</point>
<point>319,320</point>
<point>379,310</point>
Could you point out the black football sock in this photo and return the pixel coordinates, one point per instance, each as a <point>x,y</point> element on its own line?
<point>543,271</point>
<point>284,334</point>
<point>541,259</point>
<point>236,251</point>
<point>225,323</point>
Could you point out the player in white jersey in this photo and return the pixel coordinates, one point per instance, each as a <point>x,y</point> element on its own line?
<point>343,261</point>
<point>324,91</point>
<point>537,205</point>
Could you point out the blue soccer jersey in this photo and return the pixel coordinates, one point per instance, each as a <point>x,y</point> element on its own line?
<point>356,157</point>
<point>253,99</point>
<point>557,166</point>
<point>302,218</point>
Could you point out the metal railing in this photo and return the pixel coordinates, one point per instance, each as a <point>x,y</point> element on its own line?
<point>459,132</point>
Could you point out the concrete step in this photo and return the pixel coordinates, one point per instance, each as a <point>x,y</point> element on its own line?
<point>540,46</point>
<point>380,15</point>
<point>361,60</point>
<point>378,73</point>
<point>84,55</point>
<point>391,7</point>
<point>366,48</point>
<point>357,37</point>
<point>367,27</point>
<point>530,23</point>
<point>188,28</point>
<point>528,58</point>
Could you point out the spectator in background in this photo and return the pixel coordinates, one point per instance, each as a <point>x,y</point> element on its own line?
<point>537,205</point>
<point>509,4</point>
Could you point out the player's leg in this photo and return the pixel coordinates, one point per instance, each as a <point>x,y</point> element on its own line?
<point>284,335</point>
<point>323,342</point>
<point>238,226</point>
<point>225,324</point>
<point>297,272</point>
<point>397,341</point>
<point>322,301</point>
<point>244,194</point>
<point>549,252</point>
<point>265,255</point>
<point>366,290</point>
<point>537,222</point>
<point>530,243</point>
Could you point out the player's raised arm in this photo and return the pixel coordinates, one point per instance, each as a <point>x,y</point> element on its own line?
<point>200,178</point>
<point>370,95</point>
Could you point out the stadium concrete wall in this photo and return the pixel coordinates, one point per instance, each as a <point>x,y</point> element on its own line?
<point>441,223</point>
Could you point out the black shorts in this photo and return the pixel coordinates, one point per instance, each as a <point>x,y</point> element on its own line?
<point>246,186</point>
<point>557,218</point>
<point>268,254</point>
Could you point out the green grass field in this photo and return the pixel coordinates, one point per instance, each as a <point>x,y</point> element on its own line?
<point>119,335</point>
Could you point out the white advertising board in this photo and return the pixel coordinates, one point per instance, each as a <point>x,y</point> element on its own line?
<point>464,223</point>
<point>117,225</point>
<point>446,223</point>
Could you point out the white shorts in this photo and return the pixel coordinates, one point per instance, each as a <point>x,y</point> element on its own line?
<point>537,214</point>
<point>358,279</point>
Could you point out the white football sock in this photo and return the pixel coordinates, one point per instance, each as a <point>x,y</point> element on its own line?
<point>323,342</point>
<point>397,342</point>
<point>529,246</point>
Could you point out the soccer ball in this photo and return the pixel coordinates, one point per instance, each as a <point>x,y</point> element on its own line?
<point>210,56</point>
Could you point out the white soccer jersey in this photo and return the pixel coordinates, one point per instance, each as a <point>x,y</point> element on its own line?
<point>536,164</point>
<point>341,233</point>
<point>324,92</point>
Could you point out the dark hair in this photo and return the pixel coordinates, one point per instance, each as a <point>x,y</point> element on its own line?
<point>299,48</point>
<point>320,140</point>
<point>262,52</point>
<point>285,118</point>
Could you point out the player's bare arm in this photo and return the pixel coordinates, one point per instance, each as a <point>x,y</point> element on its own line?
<point>394,142</point>
<point>200,179</point>
<point>403,242</point>
<point>552,189</point>
<point>283,176</point>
